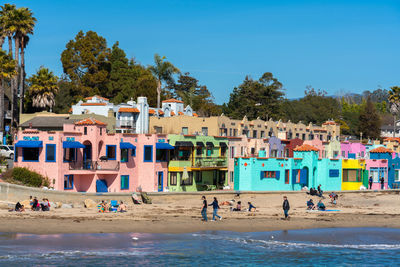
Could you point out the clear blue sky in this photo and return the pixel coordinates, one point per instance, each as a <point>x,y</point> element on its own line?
<point>347,46</point>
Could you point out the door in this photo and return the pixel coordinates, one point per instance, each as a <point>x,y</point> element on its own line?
<point>160,181</point>
<point>87,157</point>
<point>304,177</point>
<point>101,186</point>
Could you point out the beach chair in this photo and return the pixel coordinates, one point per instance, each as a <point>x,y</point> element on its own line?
<point>136,199</point>
<point>114,205</point>
<point>145,198</point>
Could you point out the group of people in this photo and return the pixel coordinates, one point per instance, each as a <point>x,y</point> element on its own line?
<point>311,205</point>
<point>316,192</point>
<point>105,207</point>
<point>381,180</point>
<point>37,205</point>
<point>216,206</point>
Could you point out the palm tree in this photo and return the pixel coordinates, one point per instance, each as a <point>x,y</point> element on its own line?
<point>394,99</point>
<point>7,72</point>
<point>162,71</point>
<point>7,13</point>
<point>43,88</point>
<point>24,23</point>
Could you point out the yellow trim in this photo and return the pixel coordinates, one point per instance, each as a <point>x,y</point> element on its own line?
<point>179,169</point>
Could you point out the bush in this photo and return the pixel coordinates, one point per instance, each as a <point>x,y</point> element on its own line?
<point>26,177</point>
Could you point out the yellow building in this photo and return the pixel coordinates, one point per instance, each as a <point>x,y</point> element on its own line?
<point>354,174</point>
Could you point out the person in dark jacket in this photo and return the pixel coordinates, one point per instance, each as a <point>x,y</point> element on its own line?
<point>215,206</point>
<point>320,191</point>
<point>382,183</point>
<point>370,182</point>
<point>204,208</point>
<point>286,207</point>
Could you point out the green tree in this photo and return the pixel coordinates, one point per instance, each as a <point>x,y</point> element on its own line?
<point>370,121</point>
<point>86,63</point>
<point>163,71</point>
<point>256,98</point>
<point>64,98</point>
<point>7,72</point>
<point>42,88</point>
<point>394,99</point>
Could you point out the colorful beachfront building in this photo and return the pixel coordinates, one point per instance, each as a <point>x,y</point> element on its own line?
<point>85,158</point>
<point>281,174</point>
<point>353,150</point>
<point>318,144</point>
<point>354,174</point>
<point>197,163</point>
<point>392,179</point>
<point>332,149</point>
<point>290,145</point>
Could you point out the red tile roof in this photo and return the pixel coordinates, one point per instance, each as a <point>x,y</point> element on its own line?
<point>195,115</point>
<point>91,97</point>
<point>306,147</point>
<point>93,104</point>
<point>172,100</point>
<point>381,150</point>
<point>160,112</point>
<point>180,113</point>
<point>172,113</point>
<point>90,121</point>
<point>129,110</point>
<point>152,111</point>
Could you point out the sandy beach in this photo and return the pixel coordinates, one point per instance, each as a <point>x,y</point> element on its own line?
<point>181,213</point>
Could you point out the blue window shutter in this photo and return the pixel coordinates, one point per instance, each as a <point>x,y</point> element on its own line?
<point>261,175</point>
<point>294,172</point>
<point>278,175</point>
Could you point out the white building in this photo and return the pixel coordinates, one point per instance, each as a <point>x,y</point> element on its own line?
<point>131,117</point>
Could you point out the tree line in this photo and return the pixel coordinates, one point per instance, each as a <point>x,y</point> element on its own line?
<point>91,66</point>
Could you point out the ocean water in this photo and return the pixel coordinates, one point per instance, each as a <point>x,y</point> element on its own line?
<point>331,246</point>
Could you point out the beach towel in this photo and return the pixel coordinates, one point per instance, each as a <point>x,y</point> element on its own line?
<point>320,210</point>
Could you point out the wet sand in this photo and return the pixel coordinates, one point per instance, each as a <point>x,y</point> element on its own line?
<point>181,213</point>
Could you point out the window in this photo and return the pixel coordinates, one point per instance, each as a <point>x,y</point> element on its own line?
<point>254,133</point>
<point>124,154</point>
<point>296,176</point>
<point>16,154</point>
<point>124,182</point>
<point>68,181</point>
<point>335,154</point>
<point>133,153</point>
<point>374,172</point>
<point>188,180</point>
<point>352,175</point>
<point>343,154</point>
<point>162,155</point>
<point>333,173</point>
<point>287,176</point>
<point>362,154</point>
<point>303,136</point>
<point>262,134</point>
<point>111,152</point>
<point>199,151</point>
<point>397,175</point>
<point>84,130</point>
<point>230,132</point>
<point>241,151</point>
<point>232,152</point>
<point>30,154</point>
<point>209,152</point>
<point>269,174</point>
<point>231,175</point>
<point>182,153</point>
<point>50,153</point>
<point>148,154</point>
<point>253,150</point>
<point>297,135</point>
<point>234,132</point>
<point>198,177</point>
<point>69,154</point>
<point>185,130</point>
<point>223,151</point>
<point>204,131</point>
<point>173,177</point>
<point>274,153</point>
<point>158,129</point>
<point>101,131</point>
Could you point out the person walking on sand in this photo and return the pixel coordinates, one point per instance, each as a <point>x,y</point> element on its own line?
<point>370,182</point>
<point>286,207</point>
<point>204,209</point>
<point>215,206</point>
<point>382,183</point>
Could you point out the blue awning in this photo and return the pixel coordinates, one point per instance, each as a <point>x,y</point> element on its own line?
<point>126,145</point>
<point>164,146</point>
<point>25,143</point>
<point>72,144</point>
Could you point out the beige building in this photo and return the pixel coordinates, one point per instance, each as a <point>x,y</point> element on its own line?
<point>224,126</point>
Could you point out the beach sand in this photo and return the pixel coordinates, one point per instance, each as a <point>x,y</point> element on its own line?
<point>181,213</point>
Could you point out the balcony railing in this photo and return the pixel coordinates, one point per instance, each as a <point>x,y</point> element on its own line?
<point>126,123</point>
<point>210,162</point>
<point>110,165</point>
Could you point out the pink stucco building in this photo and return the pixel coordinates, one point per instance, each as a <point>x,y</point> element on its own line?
<point>317,143</point>
<point>85,158</point>
<point>377,168</point>
<point>352,150</point>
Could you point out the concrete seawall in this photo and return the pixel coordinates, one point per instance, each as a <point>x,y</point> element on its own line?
<point>14,193</point>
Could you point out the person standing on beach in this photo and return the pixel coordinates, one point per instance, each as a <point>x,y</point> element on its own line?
<point>286,207</point>
<point>204,208</point>
<point>370,182</point>
<point>215,206</point>
<point>382,183</point>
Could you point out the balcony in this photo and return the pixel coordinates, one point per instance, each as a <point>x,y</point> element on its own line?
<point>90,165</point>
<point>126,124</point>
<point>210,162</point>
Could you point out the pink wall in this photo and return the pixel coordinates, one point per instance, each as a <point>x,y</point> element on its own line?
<point>377,163</point>
<point>356,148</point>
<point>319,145</point>
<point>141,174</point>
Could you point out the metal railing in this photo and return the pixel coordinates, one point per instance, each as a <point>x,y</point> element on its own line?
<point>126,123</point>
<point>109,165</point>
<point>210,162</point>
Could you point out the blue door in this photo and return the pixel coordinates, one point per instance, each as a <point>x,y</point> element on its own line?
<point>304,177</point>
<point>87,157</point>
<point>160,181</point>
<point>101,186</point>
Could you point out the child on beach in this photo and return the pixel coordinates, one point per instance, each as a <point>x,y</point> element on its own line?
<point>251,207</point>
<point>321,206</point>
<point>204,209</point>
<point>310,205</point>
<point>286,207</point>
<point>122,207</point>
<point>215,206</point>
<point>238,206</point>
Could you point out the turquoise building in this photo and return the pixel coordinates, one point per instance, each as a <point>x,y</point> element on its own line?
<point>286,174</point>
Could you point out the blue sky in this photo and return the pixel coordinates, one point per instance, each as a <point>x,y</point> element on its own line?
<point>338,46</point>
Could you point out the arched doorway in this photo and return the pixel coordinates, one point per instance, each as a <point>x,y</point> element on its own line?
<point>87,155</point>
<point>304,181</point>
